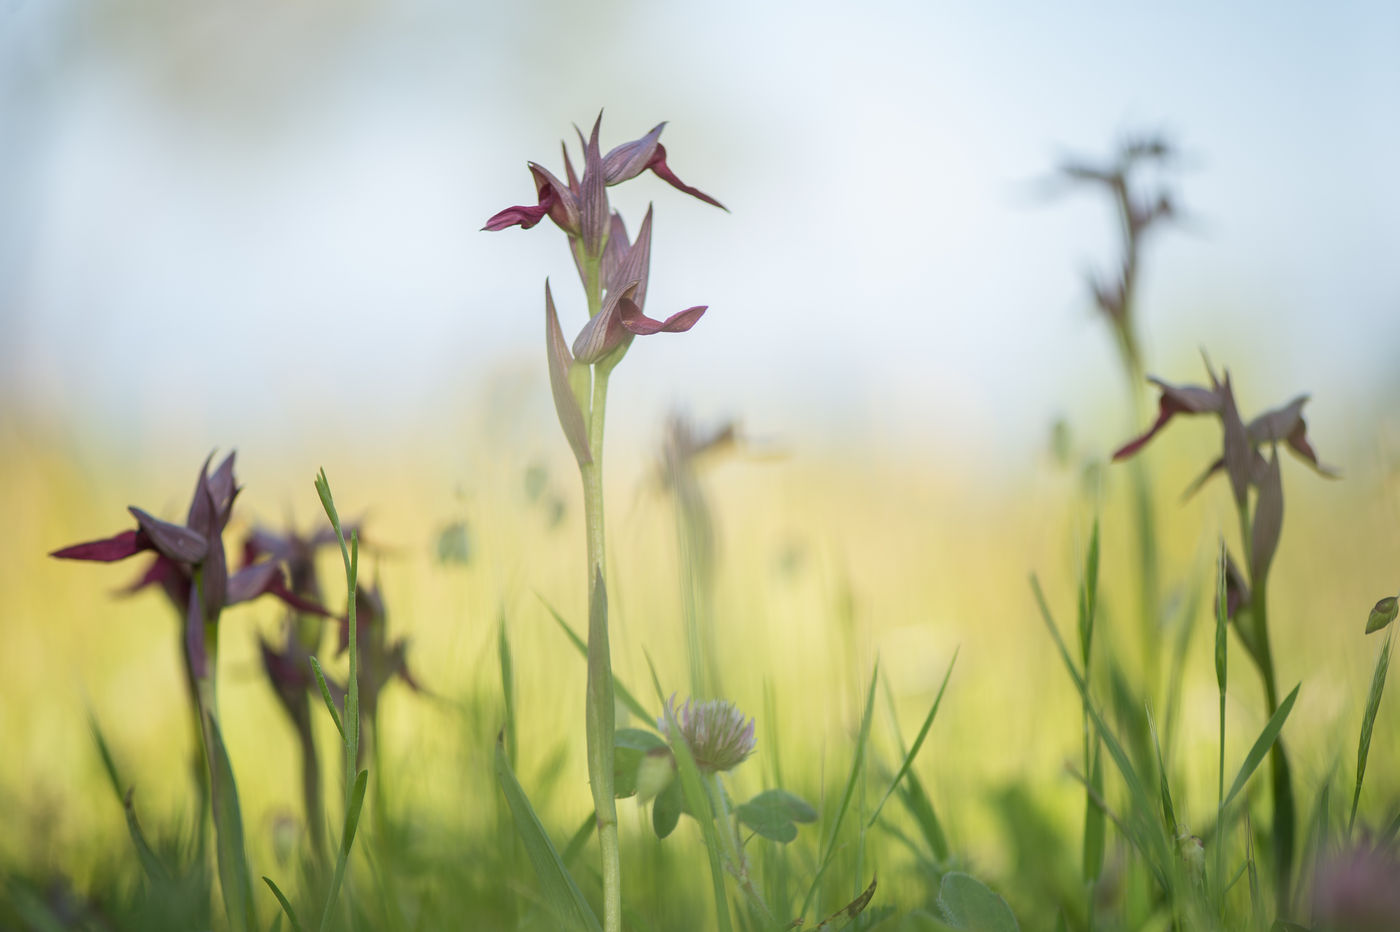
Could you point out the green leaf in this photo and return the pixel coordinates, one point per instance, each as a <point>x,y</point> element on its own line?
<point>286,905</point>
<point>666,810</point>
<point>918,742</point>
<point>326,695</point>
<point>968,905</point>
<point>1368,723</point>
<point>560,894</point>
<point>773,812</point>
<point>630,748</point>
<point>600,709</point>
<point>234,876</point>
<point>1164,790</point>
<point>507,681</point>
<point>1383,614</point>
<point>1262,744</point>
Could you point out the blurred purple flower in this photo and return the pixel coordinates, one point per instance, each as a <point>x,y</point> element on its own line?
<point>715,731</point>
<point>195,547</point>
<point>1357,890</point>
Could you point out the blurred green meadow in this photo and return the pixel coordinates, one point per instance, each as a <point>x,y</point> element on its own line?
<point>827,562</point>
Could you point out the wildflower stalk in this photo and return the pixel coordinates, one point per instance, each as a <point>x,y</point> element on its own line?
<point>734,850</point>
<point>599,711</point>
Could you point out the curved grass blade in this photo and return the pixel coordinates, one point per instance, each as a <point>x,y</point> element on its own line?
<point>1262,744</point>
<point>234,876</point>
<point>561,895</point>
<point>1157,857</point>
<point>326,695</point>
<point>286,906</point>
<point>857,762</point>
<point>151,863</point>
<point>918,743</point>
<point>633,706</point>
<point>1368,722</point>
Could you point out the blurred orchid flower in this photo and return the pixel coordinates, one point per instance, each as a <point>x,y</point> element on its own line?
<point>190,565</point>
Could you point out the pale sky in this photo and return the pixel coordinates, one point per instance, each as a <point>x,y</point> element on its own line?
<point>247,220</point>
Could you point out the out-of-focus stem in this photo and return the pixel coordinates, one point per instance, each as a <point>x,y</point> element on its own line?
<point>734,852</point>
<point>1282,781</point>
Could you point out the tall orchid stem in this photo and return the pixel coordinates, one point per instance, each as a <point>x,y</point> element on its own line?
<point>600,751</point>
<point>1283,833</point>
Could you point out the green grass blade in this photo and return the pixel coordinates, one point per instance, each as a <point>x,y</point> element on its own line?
<point>697,801</point>
<point>1089,598</point>
<point>1262,744</point>
<point>561,895</point>
<point>918,743</point>
<point>857,763</point>
<point>347,841</point>
<point>507,682</point>
<point>633,706</point>
<point>151,863</point>
<point>326,695</point>
<point>1157,858</point>
<point>234,876</point>
<point>286,905</point>
<point>1164,789</point>
<point>1368,722</point>
<point>585,831</point>
<point>1095,827</point>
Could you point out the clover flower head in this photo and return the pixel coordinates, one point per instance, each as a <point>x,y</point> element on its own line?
<point>715,731</point>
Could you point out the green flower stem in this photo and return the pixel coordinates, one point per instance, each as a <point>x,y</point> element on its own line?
<point>734,851</point>
<point>600,751</point>
<point>1283,826</point>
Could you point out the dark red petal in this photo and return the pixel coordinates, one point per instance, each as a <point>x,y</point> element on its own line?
<point>594,215</point>
<point>637,322</point>
<point>278,588</point>
<point>603,333</point>
<point>631,158</point>
<point>1176,399</point>
<point>125,544</point>
<point>200,517</point>
<point>523,217</point>
<point>1268,523</point>
<point>659,166</point>
<point>251,582</point>
<point>1239,453</point>
<point>175,541</point>
<point>634,264</point>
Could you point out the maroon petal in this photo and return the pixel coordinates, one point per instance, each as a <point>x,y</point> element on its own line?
<point>560,362</point>
<point>631,158</point>
<point>569,169</point>
<point>1268,523</point>
<point>637,322</point>
<point>594,215</point>
<point>613,254</point>
<point>175,541</point>
<point>658,165</point>
<point>109,550</point>
<point>522,216</point>
<point>278,587</point>
<point>200,517</point>
<point>251,582</point>
<point>634,264</point>
<point>1239,453</point>
<point>603,333</point>
<point>1176,399</point>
